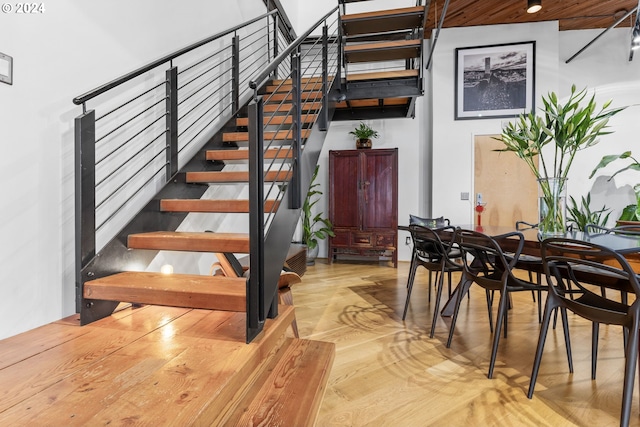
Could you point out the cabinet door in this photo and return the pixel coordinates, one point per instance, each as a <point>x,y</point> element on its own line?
<point>380,188</point>
<point>343,201</point>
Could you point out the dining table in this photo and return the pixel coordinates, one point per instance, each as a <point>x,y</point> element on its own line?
<point>626,245</point>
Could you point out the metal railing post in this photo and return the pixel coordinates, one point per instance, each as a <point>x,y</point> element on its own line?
<point>255,284</point>
<point>296,173</point>
<point>85,189</point>
<point>172,123</point>
<point>235,74</point>
<point>324,115</point>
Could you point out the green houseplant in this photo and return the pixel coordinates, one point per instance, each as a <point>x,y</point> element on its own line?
<point>363,134</point>
<point>561,131</point>
<point>314,227</point>
<point>630,212</point>
<point>583,215</point>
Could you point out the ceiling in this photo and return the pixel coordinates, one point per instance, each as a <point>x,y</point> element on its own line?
<point>571,14</point>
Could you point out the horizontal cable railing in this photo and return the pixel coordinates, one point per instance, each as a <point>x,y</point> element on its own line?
<point>150,122</point>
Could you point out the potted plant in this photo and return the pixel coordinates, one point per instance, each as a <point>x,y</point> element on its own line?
<point>583,215</point>
<point>314,227</point>
<point>562,130</point>
<point>631,213</point>
<point>363,134</point>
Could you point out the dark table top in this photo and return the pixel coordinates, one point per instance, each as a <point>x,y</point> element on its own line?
<point>619,243</point>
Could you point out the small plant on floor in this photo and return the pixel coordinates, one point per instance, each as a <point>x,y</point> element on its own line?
<point>310,231</point>
<point>581,216</point>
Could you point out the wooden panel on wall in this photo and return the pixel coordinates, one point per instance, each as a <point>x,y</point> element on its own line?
<point>508,186</point>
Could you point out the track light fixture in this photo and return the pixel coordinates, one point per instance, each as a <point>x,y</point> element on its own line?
<point>534,6</point>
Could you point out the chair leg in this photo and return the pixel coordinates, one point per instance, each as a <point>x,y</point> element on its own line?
<point>436,309</point>
<point>489,295</point>
<point>463,288</point>
<point>631,354</point>
<point>595,332</point>
<point>412,275</point>
<point>567,338</point>
<point>502,312</point>
<point>544,328</point>
<point>286,298</point>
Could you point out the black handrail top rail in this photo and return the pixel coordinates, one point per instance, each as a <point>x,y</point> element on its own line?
<point>274,64</point>
<point>133,74</point>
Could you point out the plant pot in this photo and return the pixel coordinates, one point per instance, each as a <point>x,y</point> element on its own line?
<point>363,143</point>
<point>312,254</point>
<point>552,206</point>
<point>626,223</point>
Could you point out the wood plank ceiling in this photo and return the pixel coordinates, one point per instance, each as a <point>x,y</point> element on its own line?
<point>571,14</point>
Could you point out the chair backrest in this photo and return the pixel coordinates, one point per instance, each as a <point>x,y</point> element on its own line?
<point>573,265</point>
<point>230,264</point>
<point>432,244</point>
<point>629,230</point>
<point>524,225</point>
<point>484,256</point>
<point>429,222</point>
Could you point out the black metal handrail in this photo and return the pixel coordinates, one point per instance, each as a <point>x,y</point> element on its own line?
<point>170,57</point>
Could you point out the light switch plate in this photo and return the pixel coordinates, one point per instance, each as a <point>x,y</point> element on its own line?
<point>464,195</point>
<point>6,69</point>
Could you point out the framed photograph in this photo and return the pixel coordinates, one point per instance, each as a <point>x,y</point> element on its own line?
<point>495,81</point>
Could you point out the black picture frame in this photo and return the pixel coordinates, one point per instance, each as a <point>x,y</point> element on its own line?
<point>495,81</point>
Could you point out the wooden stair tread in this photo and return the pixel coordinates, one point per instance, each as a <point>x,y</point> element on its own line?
<point>303,80</point>
<point>305,96</point>
<point>268,136</point>
<point>190,241</point>
<point>383,51</point>
<point>212,206</point>
<point>382,75</point>
<point>305,86</point>
<point>174,290</point>
<point>234,176</point>
<point>271,153</point>
<point>277,120</point>
<point>278,107</point>
<point>289,392</point>
<point>383,20</point>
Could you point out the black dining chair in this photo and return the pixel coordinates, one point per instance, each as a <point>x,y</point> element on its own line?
<point>571,268</point>
<point>437,222</point>
<point>485,263</point>
<point>434,250</point>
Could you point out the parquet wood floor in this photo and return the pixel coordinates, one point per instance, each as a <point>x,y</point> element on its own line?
<point>389,373</point>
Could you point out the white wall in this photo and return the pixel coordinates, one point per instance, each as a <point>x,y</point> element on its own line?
<point>604,68</point>
<point>72,47</point>
<point>452,167</point>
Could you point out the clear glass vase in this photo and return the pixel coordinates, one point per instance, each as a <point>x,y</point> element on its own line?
<point>552,206</point>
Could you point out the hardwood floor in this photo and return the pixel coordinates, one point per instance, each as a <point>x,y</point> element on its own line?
<point>389,373</point>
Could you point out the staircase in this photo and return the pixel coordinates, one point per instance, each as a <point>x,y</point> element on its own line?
<point>382,55</point>
<point>267,143</point>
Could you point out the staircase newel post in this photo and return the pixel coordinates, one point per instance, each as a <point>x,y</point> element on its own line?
<point>255,284</point>
<point>85,197</point>
<point>324,116</point>
<point>235,74</point>
<point>296,173</point>
<point>172,123</point>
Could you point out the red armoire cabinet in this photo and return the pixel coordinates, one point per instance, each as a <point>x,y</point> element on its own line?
<point>363,203</point>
